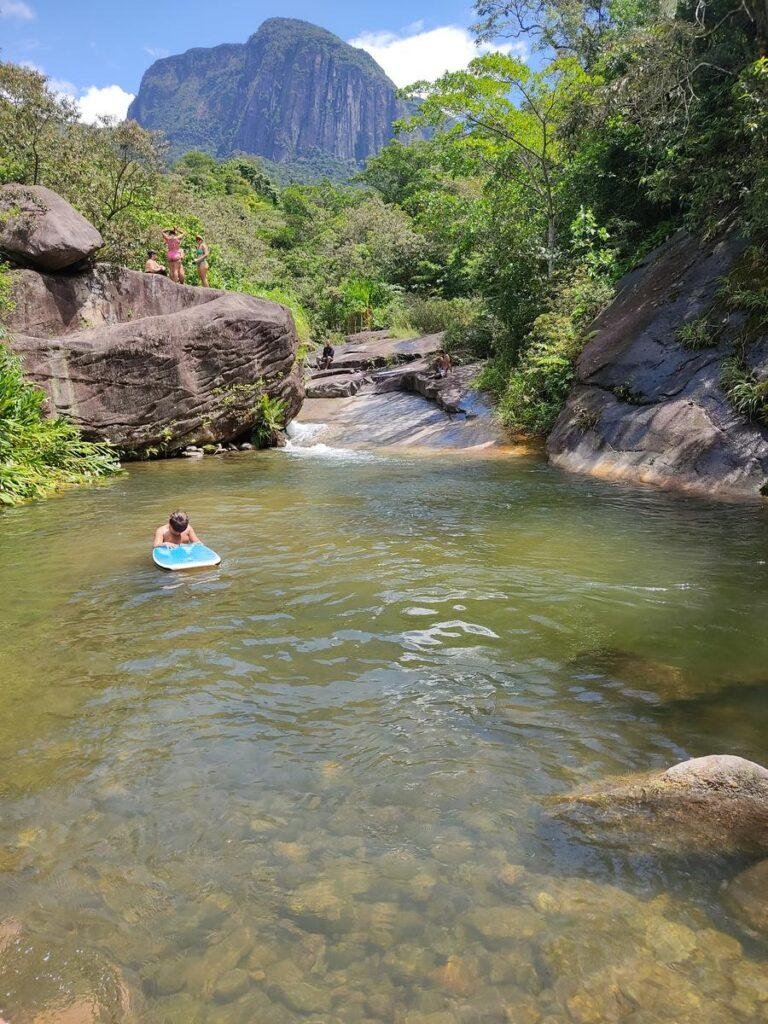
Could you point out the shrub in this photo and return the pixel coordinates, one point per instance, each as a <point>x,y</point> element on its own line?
<point>39,455</point>
<point>538,386</point>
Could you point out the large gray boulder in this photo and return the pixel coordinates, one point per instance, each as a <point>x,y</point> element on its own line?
<point>714,804</point>
<point>645,408</point>
<point>151,365</point>
<point>40,229</point>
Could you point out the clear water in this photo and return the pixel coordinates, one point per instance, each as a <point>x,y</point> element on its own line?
<point>312,785</point>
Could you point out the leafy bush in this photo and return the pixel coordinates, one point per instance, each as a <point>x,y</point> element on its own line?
<point>538,386</point>
<point>39,455</point>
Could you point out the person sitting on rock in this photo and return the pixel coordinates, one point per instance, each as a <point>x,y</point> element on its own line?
<point>152,266</point>
<point>176,531</point>
<point>443,364</point>
<point>172,238</point>
<point>325,360</point>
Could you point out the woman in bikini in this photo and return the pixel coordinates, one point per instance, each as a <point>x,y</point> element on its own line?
<point>172,241</point>
<point>201,260</point>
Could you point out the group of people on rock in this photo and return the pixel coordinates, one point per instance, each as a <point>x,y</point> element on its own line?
<point>175,254</point>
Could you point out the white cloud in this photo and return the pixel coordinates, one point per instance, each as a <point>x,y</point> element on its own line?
<point>16,9</point>
<point>93,102</point>
<point>415,54</point>
<point>109,101</point>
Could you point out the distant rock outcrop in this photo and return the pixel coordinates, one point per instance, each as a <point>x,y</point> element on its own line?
<point>142,362</point>
<point>649,409</point>
<point>293,90</point>
<point>39,228</point>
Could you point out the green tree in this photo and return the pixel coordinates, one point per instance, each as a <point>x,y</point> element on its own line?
<point>33,125</point>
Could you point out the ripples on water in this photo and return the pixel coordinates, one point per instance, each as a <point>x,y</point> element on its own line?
<point>311,785</point>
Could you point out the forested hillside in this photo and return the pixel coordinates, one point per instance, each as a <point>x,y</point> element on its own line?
<point>509,227</point>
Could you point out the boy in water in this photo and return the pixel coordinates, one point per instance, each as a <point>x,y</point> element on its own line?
<point>176,531</point>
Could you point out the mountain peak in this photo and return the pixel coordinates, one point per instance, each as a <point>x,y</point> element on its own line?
<point>292,90</point>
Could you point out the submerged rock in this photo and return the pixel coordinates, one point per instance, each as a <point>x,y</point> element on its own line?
<point>747,897</point>
<point>40,229</point>
<point>715,804</point>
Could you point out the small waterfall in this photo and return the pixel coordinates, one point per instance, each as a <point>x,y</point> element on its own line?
<point>302,443</point>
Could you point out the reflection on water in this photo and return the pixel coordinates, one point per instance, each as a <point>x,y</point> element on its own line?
<point>308,785</point>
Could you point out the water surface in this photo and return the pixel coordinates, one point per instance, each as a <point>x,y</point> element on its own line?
<point>312,785</point>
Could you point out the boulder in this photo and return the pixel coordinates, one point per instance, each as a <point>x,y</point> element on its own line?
<point>715,804</point>
<point>39,228</point>
<point>147,364</point>
<point>747,897</point>
<point>338,385</point>
<point>647,409</point>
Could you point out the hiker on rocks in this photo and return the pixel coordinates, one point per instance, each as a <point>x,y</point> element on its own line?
<point>201,260</point>
<point>152,266</point>
<point>172,239</point>
<point>325,360</point>
<point>443,364</point>
<point>176,531</point>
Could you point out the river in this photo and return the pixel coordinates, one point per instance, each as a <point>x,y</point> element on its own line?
<point>312,784</point>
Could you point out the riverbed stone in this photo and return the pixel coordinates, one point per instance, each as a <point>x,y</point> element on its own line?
<point>165,978</point>
<point>504,924</point>
<point>231,985</point>
<point>747,898</point>
<point>287,982</point>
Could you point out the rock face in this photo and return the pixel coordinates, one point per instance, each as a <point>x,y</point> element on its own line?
<point>148,364</point>
<point>293,90</point>
<point>38,228</point>
<point>646,409</point>
<point>715,804</point>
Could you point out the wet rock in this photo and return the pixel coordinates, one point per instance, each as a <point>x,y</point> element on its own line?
<point>747,897</point>
<point>320,904</point>
<point>522,1010</point>
<point>40,229</point>
<point>246,447</point>
<point>671,942</point>
<point>164,979</point>
<point>457,977</point>
<point>287,982</point>
<point>231,985</point>
<point>709,804</point>
<point>10,928</point>
<point>203,974</point>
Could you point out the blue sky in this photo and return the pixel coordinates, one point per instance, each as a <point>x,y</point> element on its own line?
<point>97,50</point>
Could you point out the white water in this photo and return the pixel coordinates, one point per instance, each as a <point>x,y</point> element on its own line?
<point>302,443</point>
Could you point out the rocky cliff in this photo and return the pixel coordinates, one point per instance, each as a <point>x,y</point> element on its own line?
<point>133,358</point>
<point>649,405</point>
<point>293,90</point>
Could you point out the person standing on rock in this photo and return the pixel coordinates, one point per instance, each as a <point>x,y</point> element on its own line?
<point>172,239</point>
<point>201,260</point>
<point>443,364</point>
